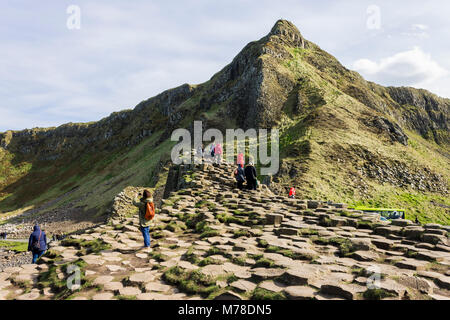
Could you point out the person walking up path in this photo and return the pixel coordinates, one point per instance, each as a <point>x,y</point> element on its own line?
<point>146,214</point>
<point>240,177</point>
<point>37,243</point>
<point>251,176</point>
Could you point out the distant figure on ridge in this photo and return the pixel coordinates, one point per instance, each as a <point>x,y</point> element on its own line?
<point>218,153</point>
<point>212,151</point>
<point>240,176</point>
<point>292,193</point>
<point>251,176</point>
<point>146,214</point>
<point>37,243</point>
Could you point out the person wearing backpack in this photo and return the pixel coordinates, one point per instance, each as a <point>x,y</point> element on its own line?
<point>240,177</point>
<point>146,215</point>
<point>37,243</point>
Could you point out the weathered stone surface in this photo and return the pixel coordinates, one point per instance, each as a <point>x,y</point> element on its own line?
<point>140,278</point>
<point>274,219</point>
<point>103,280</point>
<point>103,296</point>
<point>29,296</point>
<point>365,256</point>
<point>411,264</point>
<point>443,282</point>
<point>300,293</point>
<point>157,287</point>
<point>296,277</point>
<point>213,270</point>
<point>243,285</point>
<point>342,290</point>
<point>272,286</point>
<point>129,291</point>
<point>229,295</point>
<point>112,286</point>
<point>266,273</point>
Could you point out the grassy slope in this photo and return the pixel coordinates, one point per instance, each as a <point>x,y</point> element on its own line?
<point>336,124</point>
<point>103,178</point>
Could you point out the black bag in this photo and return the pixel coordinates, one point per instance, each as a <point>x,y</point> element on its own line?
<point>36,245</point>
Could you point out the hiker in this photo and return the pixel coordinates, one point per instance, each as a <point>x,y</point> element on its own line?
<point>417,220</point>
<point>146,214</point>
<point>292,193</point>
<point>240,159</point>
<point>37,243</point>
<point>218,153</point>
<point>200,150</point>
<point>212,151</point>
<point>250,176</point>
<point>240,176</point>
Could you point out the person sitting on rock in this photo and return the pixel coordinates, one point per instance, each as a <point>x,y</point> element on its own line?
<point>37,243</point>
<point>292,193</point>
<point>146,208</point>
<point>251,176</point>
<point>240,176</point>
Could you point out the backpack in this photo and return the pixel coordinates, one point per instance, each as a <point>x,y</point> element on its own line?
<point>149,211</point>
<point>36,246</point>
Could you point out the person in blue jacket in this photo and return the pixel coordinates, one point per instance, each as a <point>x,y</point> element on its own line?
<point>37,243</point>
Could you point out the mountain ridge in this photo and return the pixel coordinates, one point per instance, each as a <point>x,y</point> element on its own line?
<point>393,143</point>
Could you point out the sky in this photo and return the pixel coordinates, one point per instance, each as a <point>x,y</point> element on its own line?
<point>79,60</point>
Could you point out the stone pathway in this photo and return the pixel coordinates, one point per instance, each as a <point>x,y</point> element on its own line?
<point>212,241</point>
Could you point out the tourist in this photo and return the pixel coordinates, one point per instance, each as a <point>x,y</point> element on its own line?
<point>292,193</point>
<point>200,151</point>
<point>212,151</point>
<point>251,176</point>
<point>146,214</point>
<point>240,159</point>
<point>37,243</point>
<point>240,176</point>
<point>218,153</point>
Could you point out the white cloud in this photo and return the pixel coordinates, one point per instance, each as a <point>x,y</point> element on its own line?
<point>413,67</point>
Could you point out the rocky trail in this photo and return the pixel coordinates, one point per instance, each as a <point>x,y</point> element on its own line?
<point>212,241</point>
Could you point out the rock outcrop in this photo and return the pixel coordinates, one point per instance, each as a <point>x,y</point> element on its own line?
<point>212,241</point>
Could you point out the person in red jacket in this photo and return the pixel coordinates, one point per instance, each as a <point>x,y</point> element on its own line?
<point>240,159</point>
<point>292,193</point>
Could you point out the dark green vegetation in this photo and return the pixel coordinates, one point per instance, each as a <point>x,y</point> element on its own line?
<point>86,247</point>
<point>50,279</point>
<point>192,282</point>
<point>14,246</point>
<point>341,138</point>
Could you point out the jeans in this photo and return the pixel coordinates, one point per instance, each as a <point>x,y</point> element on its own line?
<point>37,255</point>
<point>146,233</point>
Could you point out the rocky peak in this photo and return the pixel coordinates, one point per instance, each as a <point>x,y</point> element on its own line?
<point>288,32</point>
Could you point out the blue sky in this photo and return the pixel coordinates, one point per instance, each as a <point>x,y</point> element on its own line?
<point>128,51</point>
